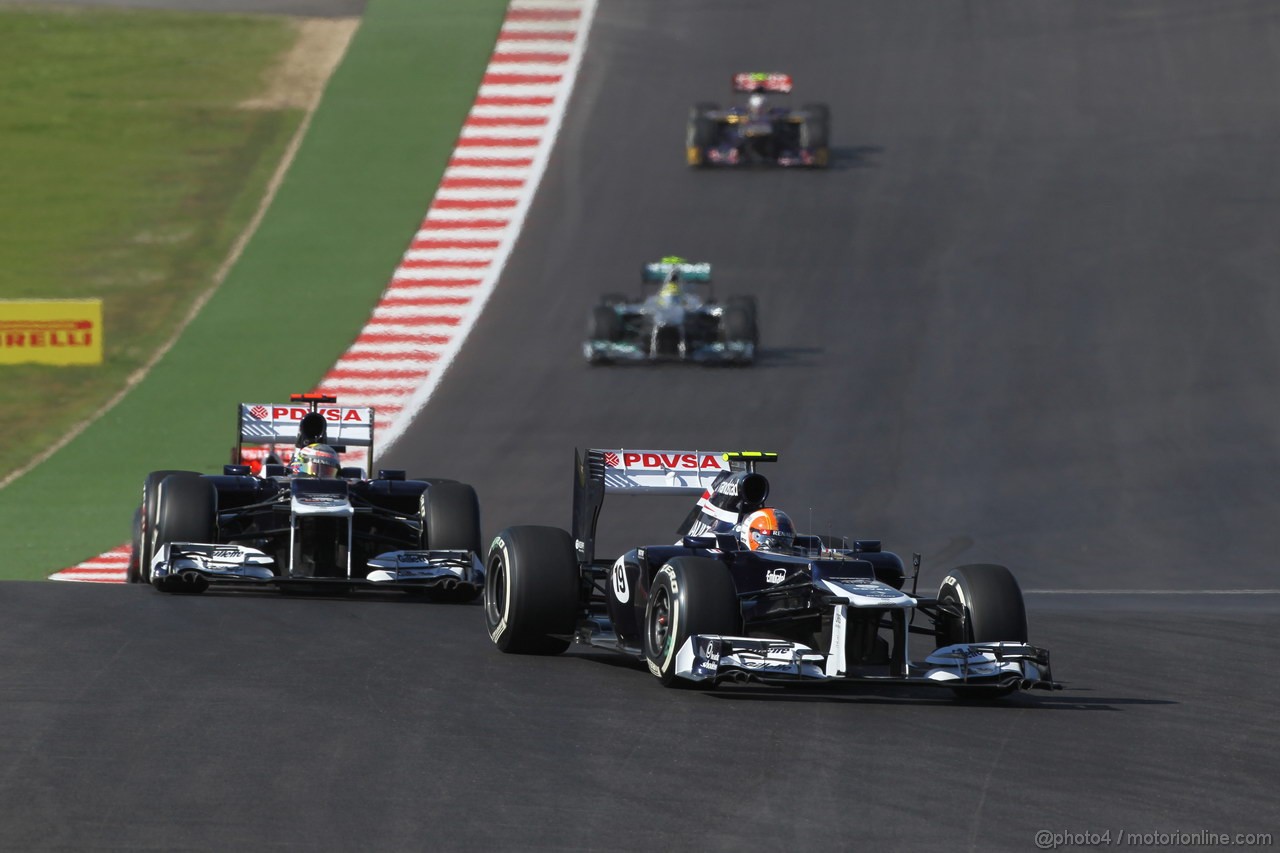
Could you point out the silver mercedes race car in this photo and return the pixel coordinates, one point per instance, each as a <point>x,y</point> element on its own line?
<point>679,321</point>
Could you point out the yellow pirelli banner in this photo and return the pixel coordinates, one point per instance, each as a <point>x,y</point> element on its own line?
<point>51,331</point>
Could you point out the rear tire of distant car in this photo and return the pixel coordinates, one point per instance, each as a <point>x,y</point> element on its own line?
<point>186,511</point>
<point>450,515</point>
<point>531,590</point>
<point>738,323</point>
<point>145,541</point>
<point>815,133</point>
<point>990,609</point>
<point>688,596</point>
<point>134,573</point>
<point>605,324</point>
<point>746,304</point>
<point>700,134</point>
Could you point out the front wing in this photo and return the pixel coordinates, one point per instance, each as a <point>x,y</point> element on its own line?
<point>727,156</point>
<point>194,567</point>
<point>998,666</point>
<point>720,352</point>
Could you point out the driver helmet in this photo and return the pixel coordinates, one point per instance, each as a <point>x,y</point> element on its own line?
<point>756,103</point>
<point>767,530</point>
<point>315,460</point>
<point>671,287</point>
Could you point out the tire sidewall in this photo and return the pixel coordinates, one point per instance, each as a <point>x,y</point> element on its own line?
<point>134,574</point>
<point>956,630</point>
<point>147,519</point>
<point>661,662</point>
<point>450,515</point>
<point>497,585</point>
<point>991,599</point>
<point>194,513</point>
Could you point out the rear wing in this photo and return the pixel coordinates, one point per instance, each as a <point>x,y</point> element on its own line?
<point>727,480</point>
<point>657,272</point>
<point>762,81</point>
<point>306,419</point>
<point>660,472</point>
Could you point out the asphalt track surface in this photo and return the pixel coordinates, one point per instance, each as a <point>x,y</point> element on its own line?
<point>1026,318</point>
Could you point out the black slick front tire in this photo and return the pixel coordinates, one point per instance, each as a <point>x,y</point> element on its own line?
<point>688,596</point>
<point>186,511</point>
<point>987,606</point>
<point>146,535</point>
<point>450,517</point>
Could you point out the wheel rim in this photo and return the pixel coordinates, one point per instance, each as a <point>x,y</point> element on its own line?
<point>495,591</point>
<point>958,628</point>
<point>660,621</point>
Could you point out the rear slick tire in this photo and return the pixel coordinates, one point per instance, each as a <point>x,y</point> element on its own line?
<point>531,590</point>
<point>605,325</point>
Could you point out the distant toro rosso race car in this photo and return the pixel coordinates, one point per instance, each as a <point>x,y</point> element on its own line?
<point>740,597</point>
<point>762,131</point>
<point>680,319</point>
<point>314,524</point>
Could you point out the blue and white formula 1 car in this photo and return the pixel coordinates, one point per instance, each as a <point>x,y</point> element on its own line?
<point>709,609</point>
<point>681,321</point>
<point>326,529</point>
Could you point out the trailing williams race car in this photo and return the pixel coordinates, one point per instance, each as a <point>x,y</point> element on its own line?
<point>313,524</point>
<point>741,597</point>
<point>681,321</point>
<point>759,132</point>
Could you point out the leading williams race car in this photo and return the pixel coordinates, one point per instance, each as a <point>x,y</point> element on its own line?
<point>741,597</point>
<point>313,524</point>
<point>759,132</point>
<point>681,321</point>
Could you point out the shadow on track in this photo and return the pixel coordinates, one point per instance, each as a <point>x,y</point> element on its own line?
<point>855,156</point>
<point>863,695</point>
<point>789,356</point>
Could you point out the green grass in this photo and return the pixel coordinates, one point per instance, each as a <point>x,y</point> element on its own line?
<point>345,213</point>
<point>128,171</point>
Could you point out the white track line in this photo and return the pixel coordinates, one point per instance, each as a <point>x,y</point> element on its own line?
<point>449,272</point>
